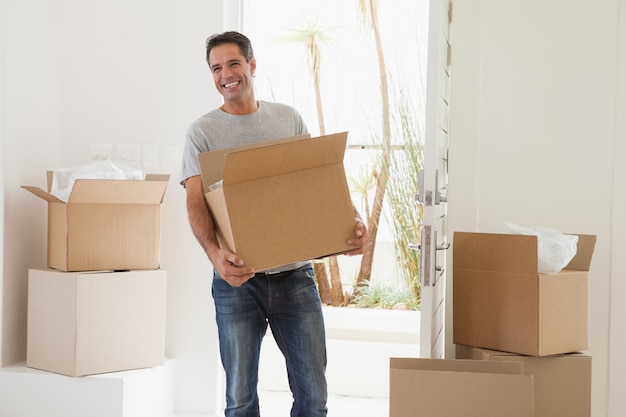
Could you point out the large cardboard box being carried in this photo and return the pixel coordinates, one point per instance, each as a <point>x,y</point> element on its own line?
<point>84,323</point>
<point>459,388</point>
<point>280,201</point>
<point>105,224</point>
<point>501,302</point>
<point>562,383</point>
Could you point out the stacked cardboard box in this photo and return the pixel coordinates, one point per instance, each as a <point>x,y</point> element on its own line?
<point>100,305</point>
<point>85,323</point>
<point>105,224</point>
<point>561,383</point>
<point>506,312</point>
<point>457,388</point>
<point>502,302</point>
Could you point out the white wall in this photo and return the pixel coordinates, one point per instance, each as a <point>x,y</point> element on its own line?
<point>116,72</point>
<point>538,137</point>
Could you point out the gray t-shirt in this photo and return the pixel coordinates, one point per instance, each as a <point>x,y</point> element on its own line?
<point>218,130</point>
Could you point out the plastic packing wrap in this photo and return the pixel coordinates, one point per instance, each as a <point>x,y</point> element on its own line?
<point>555,249</point>
<point>63,179</point>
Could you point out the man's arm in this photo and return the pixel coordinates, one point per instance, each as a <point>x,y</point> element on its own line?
<point>227,264</point>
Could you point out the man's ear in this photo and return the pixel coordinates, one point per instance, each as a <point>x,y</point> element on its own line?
<point>252,66</point>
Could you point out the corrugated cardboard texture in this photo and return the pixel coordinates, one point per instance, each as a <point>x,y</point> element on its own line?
<point>562,383</point>
<point>501,302</point>
<point>106,224</point>
<point>283,203</point>
<point>90,323</point>
<point>451,388</point>
<point>212,163</point>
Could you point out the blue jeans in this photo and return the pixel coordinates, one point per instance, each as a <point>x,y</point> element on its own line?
<point>290,304</point>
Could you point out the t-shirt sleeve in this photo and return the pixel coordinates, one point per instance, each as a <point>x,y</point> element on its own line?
<point>193,146</point>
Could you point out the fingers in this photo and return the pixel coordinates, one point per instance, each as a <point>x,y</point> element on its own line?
<point>360,231</point>
<point>231,269</point>
<point>236,276</point>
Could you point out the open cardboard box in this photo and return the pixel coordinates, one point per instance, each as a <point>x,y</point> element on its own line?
<point>459,388</point>
<point>105,224</point>
<point>562,383</point>
<point>501,302</point>
<point>281,201</point>
<point>85,323</point>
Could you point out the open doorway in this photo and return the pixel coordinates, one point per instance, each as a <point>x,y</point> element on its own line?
<point>326,59</point>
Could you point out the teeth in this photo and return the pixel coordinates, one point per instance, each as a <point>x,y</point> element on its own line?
<point>231,84</point>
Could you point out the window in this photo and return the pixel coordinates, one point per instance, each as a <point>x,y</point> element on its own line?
<point>347,91</point>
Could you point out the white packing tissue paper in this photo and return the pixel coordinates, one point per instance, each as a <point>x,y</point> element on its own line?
<point>63,179</point>
<point>555,249</point>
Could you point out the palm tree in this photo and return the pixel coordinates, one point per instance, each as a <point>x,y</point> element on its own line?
<point>312,38</point>
<point>368,10</point>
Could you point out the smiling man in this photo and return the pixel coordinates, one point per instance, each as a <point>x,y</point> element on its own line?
<point>247,301</point>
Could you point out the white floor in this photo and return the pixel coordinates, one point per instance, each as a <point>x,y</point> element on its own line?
<point>278,404</point>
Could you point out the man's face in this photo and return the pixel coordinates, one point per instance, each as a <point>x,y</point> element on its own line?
<point>231,73</point>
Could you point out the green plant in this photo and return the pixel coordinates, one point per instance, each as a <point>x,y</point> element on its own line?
<point>389,297</point>
<point>405,212</point>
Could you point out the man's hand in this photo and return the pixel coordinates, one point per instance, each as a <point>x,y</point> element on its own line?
<point>227,264</point>
<point>230,267</point>
<point>360,230</point>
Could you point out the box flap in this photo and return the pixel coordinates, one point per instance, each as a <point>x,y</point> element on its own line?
<point>495,252</point>
<point>584,252</point>
<point>212,163</point>
<point>457,365</point>
<point>284,158</point>
<point>149,191</point>
<point>117,191</point>
<point>42,194</point>
<point>157,177</point>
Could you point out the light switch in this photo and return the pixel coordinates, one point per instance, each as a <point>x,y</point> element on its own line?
<point>100,152</point>
<point>129,155</point>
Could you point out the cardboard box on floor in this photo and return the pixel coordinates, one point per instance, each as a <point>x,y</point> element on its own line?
<point>281,201</point>
<point>501,302</point>
<point>459,388</point>
<point>562,383</point>
<point>85,323</point>
<point>106,224</point>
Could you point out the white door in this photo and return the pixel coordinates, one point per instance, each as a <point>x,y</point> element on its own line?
<point>433,183</point>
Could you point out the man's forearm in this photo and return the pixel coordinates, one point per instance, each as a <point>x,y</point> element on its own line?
<point>203,227</point>
<point>200,218</point>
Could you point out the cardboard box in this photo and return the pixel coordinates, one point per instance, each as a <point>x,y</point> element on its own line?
<point>501,302</point>
<point>96,322</point>
<point>562,383</point>
<point>106,224</point>
<point>459,388</point>
<point>281,201</point>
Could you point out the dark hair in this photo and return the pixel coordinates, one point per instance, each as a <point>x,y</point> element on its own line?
<point>245,46</point>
